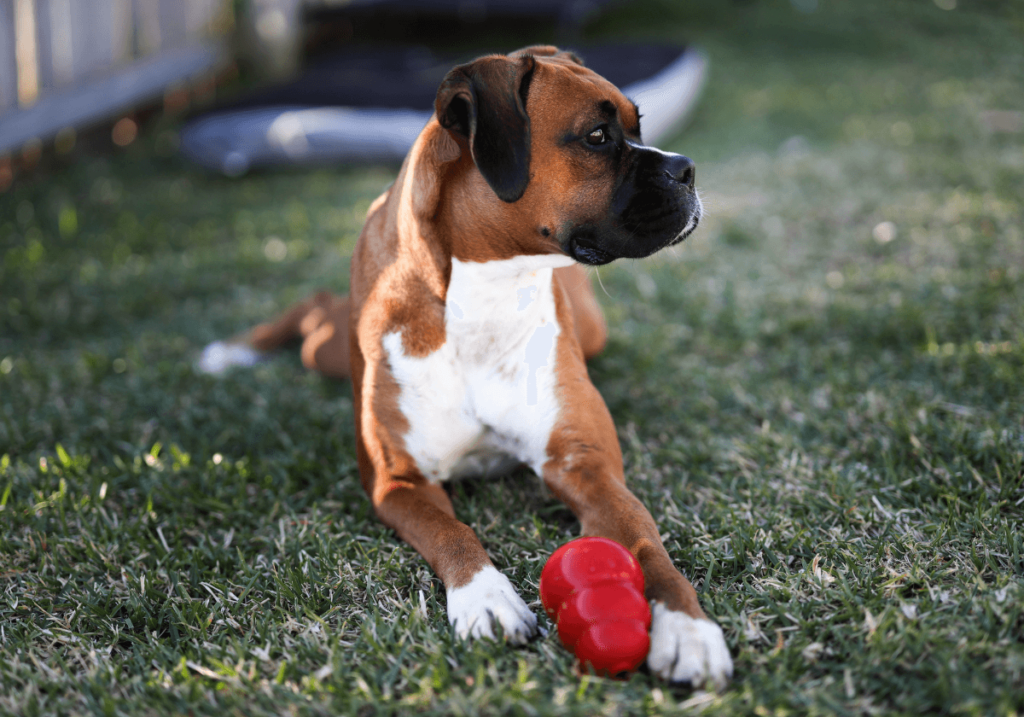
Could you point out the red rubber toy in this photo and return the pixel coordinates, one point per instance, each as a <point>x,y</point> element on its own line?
<point>593,590</point>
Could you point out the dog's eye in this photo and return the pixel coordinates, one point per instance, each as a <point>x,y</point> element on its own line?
<point>598,136</point>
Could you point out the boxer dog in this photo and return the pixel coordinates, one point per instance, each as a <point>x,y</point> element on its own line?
<point>470,319</point>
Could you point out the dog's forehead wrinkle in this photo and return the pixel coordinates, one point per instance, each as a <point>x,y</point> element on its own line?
<point>575,79</point>
<point>585,101</point>
<point>607,108</point>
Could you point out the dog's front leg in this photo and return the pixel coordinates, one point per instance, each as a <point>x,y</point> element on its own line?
<point>479,596</point>
<point>584,470</point>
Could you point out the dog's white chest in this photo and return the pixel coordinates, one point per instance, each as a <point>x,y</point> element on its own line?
<point>486,399</point>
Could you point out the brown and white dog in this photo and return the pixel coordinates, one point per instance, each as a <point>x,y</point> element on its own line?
<point>470,319</point>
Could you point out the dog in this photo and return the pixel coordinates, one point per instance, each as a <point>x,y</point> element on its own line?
<point>470,318</point>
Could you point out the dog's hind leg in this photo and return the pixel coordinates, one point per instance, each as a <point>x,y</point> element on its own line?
<point>325,346</point>
<point>321,321</point>
<point>297,321</point>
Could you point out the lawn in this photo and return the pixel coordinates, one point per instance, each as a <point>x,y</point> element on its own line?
<point>820,394</point>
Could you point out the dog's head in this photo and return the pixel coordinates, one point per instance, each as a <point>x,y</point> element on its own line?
<point>560,147</point>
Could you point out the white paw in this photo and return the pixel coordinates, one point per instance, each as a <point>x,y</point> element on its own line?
<point>219,356</point>
<point>489,598</point>
<point>684,649</point>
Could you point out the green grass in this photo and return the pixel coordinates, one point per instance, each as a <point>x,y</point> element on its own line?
<point>827,426</point>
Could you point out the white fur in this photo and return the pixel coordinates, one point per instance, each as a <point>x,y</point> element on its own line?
<point>489,599</point>
<point>691,223</point>
<point>485,399</point>
<point>219,356</point>
<point>687,650</point>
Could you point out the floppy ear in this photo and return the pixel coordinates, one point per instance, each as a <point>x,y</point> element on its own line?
<point>484,101</point>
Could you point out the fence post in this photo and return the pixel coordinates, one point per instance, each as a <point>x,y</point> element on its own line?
<point>8,59</point>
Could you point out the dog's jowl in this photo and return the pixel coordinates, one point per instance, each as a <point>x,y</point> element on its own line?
<point>470,319</point>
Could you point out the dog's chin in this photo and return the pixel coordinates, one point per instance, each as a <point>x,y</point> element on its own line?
<point>690,228</point>
<point>585,249</point>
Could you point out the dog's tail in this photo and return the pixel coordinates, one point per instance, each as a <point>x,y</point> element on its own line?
<point>321,322</point>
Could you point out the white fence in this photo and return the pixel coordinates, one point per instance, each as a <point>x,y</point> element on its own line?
<point>71,62</point>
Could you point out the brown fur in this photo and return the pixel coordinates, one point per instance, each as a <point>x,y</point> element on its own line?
<point>441,207</point>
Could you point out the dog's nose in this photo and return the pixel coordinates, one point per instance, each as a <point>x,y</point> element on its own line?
<point>681,169</point>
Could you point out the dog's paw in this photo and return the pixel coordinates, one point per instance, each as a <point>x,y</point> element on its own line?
<point>486,600</point>
<point>219,356</point>
<point>684,649</point>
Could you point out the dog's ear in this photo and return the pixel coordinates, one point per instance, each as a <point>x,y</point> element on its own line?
<point>484,101</point>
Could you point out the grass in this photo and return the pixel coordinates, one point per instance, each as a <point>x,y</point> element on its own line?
<point>820,394</point>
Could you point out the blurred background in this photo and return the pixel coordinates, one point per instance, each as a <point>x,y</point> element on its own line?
<point>858,160</point>
<point>72,65</point>
<point>821,390</point>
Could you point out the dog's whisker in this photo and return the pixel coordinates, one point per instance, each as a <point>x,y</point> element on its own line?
<point>601,283</point>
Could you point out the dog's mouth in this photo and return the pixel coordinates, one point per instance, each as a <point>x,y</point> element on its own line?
<point>585,253</point>
<point>598,245</point>
<point>691,225</point>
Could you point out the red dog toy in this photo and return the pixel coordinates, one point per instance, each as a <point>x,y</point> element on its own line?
<point>593,589</point>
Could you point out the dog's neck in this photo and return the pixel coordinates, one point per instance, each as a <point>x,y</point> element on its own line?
<point>455,236</point>
<point>499,290</point>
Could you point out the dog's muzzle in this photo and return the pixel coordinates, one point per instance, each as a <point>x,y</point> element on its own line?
<point>655,206</point>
